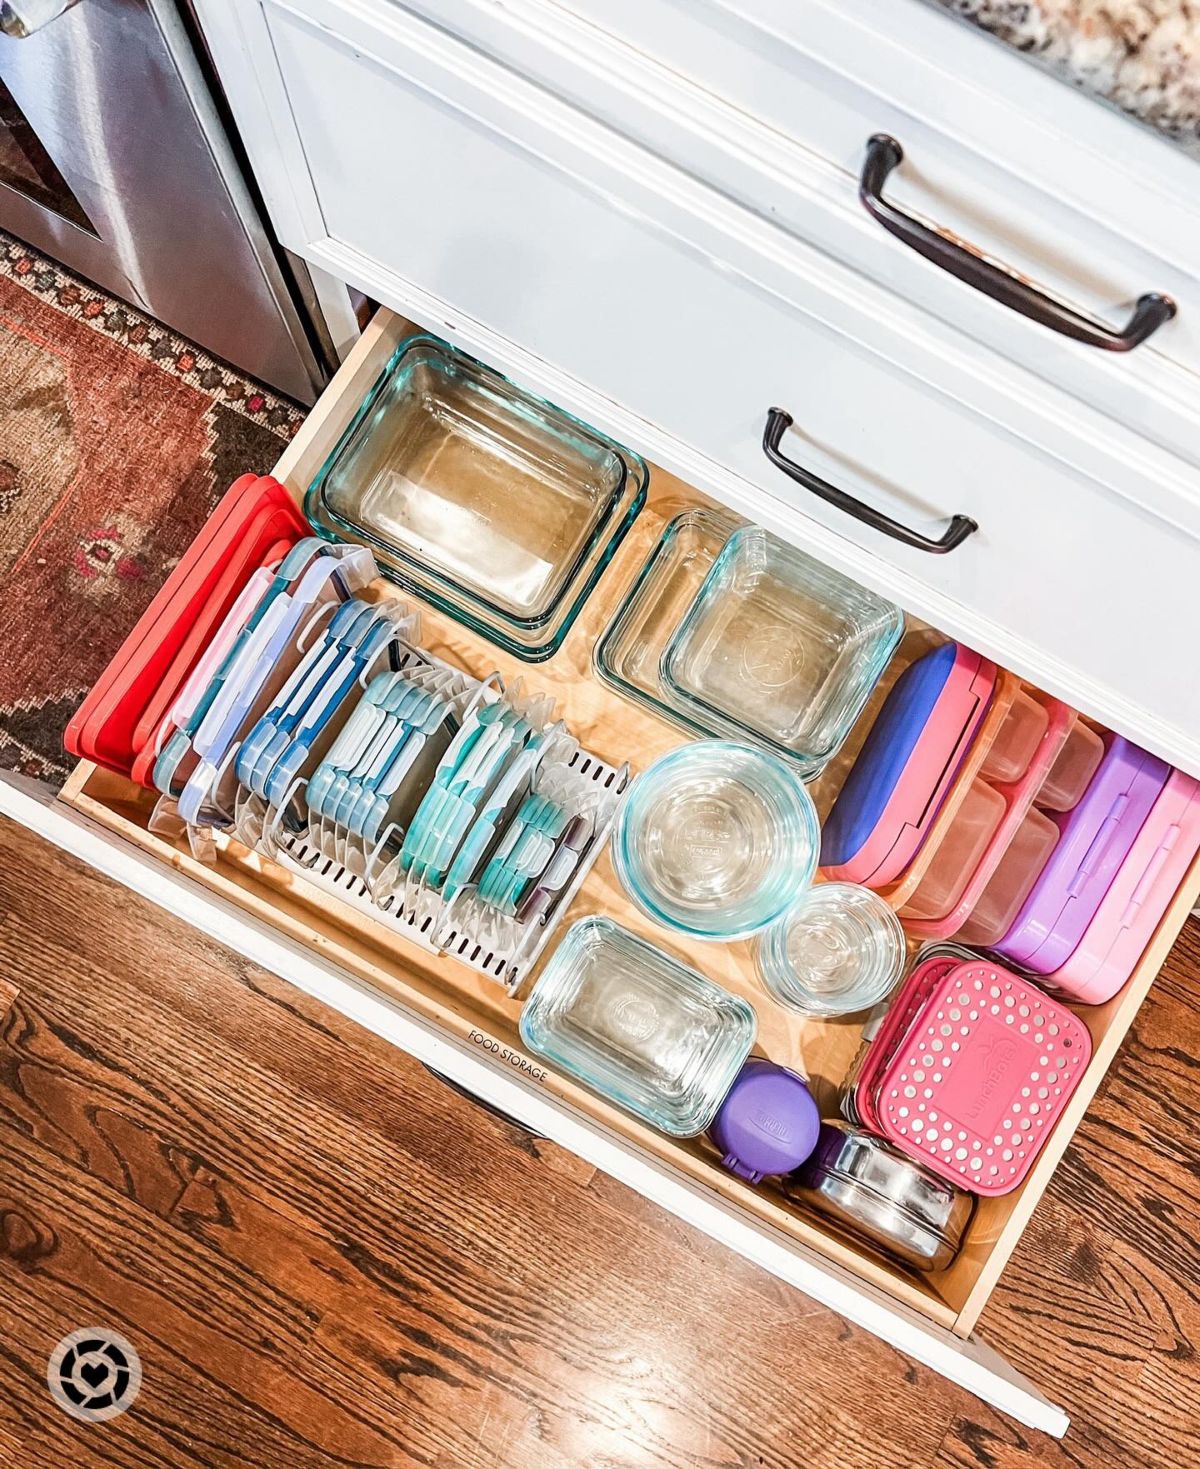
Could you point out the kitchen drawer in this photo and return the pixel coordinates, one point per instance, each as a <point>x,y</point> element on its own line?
<point>772,103</point>
<point>643,300</point>
<point>464,1025</point>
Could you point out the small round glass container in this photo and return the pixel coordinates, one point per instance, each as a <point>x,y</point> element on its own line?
<point>839,950</point>
<point>716,840</point>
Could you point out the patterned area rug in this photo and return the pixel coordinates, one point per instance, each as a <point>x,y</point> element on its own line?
<point>117,438</point>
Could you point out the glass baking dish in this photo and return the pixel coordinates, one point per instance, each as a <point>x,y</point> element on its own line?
<point>490,502</point>
<point>785,648</point>
<point>630,650</point>
<point>638,1026</point>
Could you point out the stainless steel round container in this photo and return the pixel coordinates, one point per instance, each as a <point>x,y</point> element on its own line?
<point>883,1197</point>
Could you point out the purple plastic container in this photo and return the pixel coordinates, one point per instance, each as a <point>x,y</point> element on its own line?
<point>1094,839</point>
<point>768,1122</point>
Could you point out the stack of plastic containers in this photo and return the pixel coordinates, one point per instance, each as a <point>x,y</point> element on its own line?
<point>149,688</point>
<point>969,1071</point>
<point>1138,895</point>
<point>895,792</point>
<point>982,809</point>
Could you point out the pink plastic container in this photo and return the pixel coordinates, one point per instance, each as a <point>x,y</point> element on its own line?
<point>977,1082</point>
<point>1072,770</point>
<point>936,918</point>
<point>956,860</point>
<point>905,1007</point>
<point>1010,884</point>
<point>1139,895</point>
<point>890,799</point>
<point>1016,740</point>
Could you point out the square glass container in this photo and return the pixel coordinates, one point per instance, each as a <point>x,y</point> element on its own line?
<point>493,504</point>
<point>638,1026</point>
<point>629,654</point>
<point>785,648</point>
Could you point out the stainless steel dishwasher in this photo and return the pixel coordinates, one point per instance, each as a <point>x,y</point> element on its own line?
<point>115,160</point>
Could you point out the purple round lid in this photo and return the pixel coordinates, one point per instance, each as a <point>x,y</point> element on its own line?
<point>768,1122</point>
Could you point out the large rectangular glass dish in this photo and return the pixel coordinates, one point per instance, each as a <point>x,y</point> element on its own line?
<point>490,502</point>
<point>638,1026</point>
<point>783,646</point>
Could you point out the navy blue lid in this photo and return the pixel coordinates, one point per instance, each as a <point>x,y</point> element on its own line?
<point>885,752</point>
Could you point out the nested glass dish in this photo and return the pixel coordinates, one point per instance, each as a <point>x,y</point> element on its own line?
<point>839,950</point>
<point>716,840</point>
<point>630,650</point>
<point>496,506</point>
<point>638,1026</point>
<point>782,646</point>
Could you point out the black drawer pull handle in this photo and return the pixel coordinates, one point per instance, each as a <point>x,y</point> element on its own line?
<point>960,527</point>
<point>1151,310</point>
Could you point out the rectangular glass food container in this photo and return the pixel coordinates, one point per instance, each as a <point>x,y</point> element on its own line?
<point>629,653</point>
<point>488,501</point>
<point>638,1026</point>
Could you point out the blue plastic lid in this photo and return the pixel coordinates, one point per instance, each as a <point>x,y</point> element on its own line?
<point>885,752</point>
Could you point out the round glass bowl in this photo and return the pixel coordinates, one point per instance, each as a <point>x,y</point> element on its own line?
<point>716,840</point>
<point>838,951</point>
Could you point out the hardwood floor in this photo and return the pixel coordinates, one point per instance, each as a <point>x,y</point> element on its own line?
<point>326,1257</point>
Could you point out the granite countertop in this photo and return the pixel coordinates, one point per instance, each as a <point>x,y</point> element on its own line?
<point>1141,55</point>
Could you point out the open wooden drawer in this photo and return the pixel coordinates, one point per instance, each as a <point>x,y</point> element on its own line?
<point>465,1026</point>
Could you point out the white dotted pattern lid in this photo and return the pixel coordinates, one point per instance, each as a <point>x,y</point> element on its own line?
<point>976,1085</point>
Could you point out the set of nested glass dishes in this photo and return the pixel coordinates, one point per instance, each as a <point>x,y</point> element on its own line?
<point>716,841</point>
<point>730,632</point>
<point>484,499</point>
<point>719,841</point>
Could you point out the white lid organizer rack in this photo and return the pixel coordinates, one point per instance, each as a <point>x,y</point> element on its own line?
<point>369,878</point>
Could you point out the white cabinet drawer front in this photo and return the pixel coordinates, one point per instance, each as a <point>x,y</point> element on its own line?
<point>629,279</point>
<point>774,103</point>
